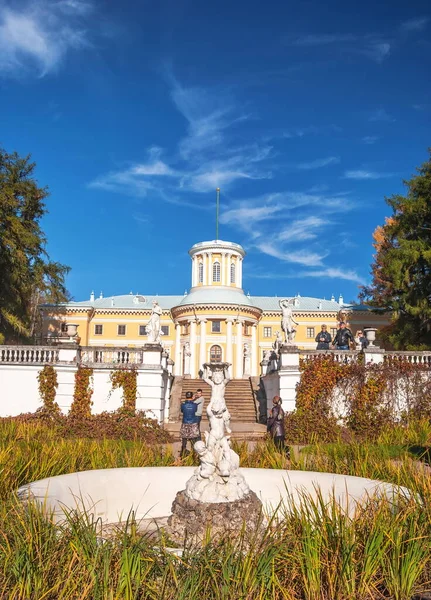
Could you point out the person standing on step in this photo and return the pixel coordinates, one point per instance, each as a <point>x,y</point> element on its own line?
<point>199,400</point>
<point>189,427</point>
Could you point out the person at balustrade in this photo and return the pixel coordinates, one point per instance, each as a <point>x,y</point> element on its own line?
<point>343,338</point>
<point>323,339</point>
<point>361,340</point>
<point>189,430</point>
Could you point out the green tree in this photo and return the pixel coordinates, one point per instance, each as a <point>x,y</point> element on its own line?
<point>27,275</point>
<point>401,272</point>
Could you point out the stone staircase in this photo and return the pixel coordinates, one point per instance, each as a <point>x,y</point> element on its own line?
<point>240,401</point>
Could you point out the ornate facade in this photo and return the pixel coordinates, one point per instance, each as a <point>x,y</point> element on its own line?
<point>215,321</point>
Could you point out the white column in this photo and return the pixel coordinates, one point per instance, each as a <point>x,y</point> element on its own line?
<point>228,261</point>
<point>177,366</point>
<point>239,350</point>
<point>223,268</point>
<point>253,350</point>
<point>204,280</point>
<point>203,344</point>
<point>210,269</point>
<point>193,349</point>
<point>229,348</point>
<point>239,272</point>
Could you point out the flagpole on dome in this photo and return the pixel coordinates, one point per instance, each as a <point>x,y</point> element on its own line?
<point>217,209</point>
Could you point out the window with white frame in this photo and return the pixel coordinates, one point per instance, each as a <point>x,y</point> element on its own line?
<point>98,329</point>
<point>142,330</point>
<point>310,332</point>
<point>121,330</point>
<point>201,272</point>
<point>232,273</point>
<point>216,272</point>
<point>165,329</point>
<point>267,332</point>
<point>215,326</point>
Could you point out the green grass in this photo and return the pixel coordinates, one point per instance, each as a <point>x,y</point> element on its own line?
<point>314,553</point>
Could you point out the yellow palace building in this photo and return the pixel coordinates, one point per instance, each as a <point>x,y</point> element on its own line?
<point>215,321</point>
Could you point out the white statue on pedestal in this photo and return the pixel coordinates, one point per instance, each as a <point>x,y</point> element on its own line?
<point>187,355</point>
<point>218,478</point>
<point>287,321</point>
<point>153,325</point>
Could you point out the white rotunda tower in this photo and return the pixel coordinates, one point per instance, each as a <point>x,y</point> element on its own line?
<point>217,264</point>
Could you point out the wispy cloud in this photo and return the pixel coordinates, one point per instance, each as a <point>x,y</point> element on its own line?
<point>415,24</point>
<point>319,163</point>
<point>325,273</point>
<point>376,50</point>
<point>370,139</point>
<point>380,115</point>
<point>322,39</point>
<point>363,174</point>
<point>35,37</point>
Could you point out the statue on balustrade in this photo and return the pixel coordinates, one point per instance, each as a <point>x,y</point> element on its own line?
<point>153,325</point>
<point>287,320</point>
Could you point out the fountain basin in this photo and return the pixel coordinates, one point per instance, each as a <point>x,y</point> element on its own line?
<point>111,494</point>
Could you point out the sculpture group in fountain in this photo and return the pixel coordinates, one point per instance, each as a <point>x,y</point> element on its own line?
<point>217,479</point>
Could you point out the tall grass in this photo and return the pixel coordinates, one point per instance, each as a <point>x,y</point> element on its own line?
<point>315,552</point>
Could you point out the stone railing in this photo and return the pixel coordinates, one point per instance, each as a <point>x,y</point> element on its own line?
<point>29,354</point>
<point>341,356</point>
<point>102,355</point>
<point>417,358</point>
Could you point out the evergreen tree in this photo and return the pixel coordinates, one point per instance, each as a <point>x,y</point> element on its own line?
<point>401,270</point>
<point>27,275</point>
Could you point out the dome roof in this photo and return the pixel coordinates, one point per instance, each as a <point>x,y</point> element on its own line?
<point>216,295</point>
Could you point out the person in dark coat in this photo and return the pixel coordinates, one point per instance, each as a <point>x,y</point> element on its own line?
<point>190,426</point>
<point>275,424</point>
<point>343,338</point>
<point>323,339</point>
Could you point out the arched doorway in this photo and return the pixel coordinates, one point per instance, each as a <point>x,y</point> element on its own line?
<point>215,354</point>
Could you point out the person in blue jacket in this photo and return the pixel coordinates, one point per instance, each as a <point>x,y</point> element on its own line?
<point>190,426</point>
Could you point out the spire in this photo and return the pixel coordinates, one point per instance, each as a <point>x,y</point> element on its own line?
<point>217,210</point>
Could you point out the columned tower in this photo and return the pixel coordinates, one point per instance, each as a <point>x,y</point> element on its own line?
<point>217,264</point>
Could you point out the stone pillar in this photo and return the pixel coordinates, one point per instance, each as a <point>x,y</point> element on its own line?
<point>152,354</point>
<point>239,350</point>
<point>228,261</point>
<point>229,346</point>
<point>193,349</point>
<point>210,269</point>
<point>238,273</point>
<point>289,376</point>
<point>223,269</point>
<point>203,344</point>
<point>254,357</point>
<point>205,263</point>
<point>195,267</point>
<point>177,365</point>
<point>373,354</point>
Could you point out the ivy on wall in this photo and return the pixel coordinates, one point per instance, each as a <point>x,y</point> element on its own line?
<point>48,384</point>
<point>370,395</point>
<point>127,379</point>
<point>81,405</point>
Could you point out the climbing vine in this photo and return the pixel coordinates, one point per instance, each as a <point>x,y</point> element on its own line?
<point>126,378</point>
<point>81,405</point>
<point>370,393</point>
<point>48,384</point>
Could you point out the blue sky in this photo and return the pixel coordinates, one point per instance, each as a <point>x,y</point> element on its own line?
<point>305,114</point>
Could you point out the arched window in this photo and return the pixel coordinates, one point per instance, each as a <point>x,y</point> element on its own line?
<point>215,354</point>
<point>232,273</point>
<point>216,271</point>
<point>201,272</point>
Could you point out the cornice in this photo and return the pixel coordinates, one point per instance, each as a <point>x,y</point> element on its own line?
<point>190,309</point>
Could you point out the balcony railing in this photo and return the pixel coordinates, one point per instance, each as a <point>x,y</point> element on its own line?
<point>341,356</point>
<point>101,355</point>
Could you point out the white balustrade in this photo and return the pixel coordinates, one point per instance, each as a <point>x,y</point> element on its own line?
<point>102,355</point>
<point>28,354</point>
<point>340,356</point>
<point>415,358</point>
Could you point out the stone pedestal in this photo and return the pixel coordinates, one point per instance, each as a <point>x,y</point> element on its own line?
<point>191,520</point>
